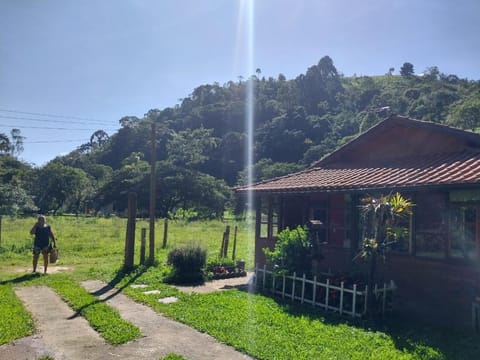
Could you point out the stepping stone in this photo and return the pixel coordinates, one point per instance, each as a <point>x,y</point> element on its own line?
<point>151,292</point>
<point>168,300</point>
<point>138,286</point>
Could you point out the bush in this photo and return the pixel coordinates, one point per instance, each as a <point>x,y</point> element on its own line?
<point>293,252</point>
<point>188,263</point>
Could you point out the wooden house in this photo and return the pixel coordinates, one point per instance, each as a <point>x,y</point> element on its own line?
<point>437,266</point>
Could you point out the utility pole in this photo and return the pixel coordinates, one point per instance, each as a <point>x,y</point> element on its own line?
<point>130,237</point>
<point>153,189</point>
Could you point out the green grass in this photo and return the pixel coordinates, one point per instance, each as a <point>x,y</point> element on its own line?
<point>172,356</point>
<point>258,325</point>
<point>103,318</point>
<point>269,330</point>
<point>15,320</point>
<point>98,243</point>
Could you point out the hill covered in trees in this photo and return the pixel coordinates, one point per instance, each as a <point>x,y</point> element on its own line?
<point>201,142</point>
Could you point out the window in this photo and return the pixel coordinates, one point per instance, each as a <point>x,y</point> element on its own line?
<point>464,231</point>
<point>431,229</point>
<point>269,217</point>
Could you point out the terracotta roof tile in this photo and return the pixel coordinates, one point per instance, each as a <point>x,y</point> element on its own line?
<point>437,169</point>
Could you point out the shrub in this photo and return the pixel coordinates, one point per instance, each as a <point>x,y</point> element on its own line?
<point>188,263</point>
<point>293,251</point>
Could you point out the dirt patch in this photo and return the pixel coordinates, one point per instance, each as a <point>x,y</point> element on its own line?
<point>243,282</point>
<point>52,269</point>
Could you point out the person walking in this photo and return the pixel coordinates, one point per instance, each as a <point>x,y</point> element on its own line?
<point>41,244</point>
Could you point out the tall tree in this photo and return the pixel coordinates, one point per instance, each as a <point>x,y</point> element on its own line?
<point>320,83</point>
<point>17,141</point>
<point>5,145</point>
<point>407,69</point>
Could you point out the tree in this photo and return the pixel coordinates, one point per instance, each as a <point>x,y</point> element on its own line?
<point>466,114</point>
<point>132,176</point>
<point>14,200</point>
<point>5,145</point>
<point>17,142</point>
<point>406,70</point>
<point>320,83</point>
<point>267,169</point>
<point>98,139</point>
<point>179,187</point>
<point>15,197</point>
<point>12,145</point>
<point>191,147</point>
<point>58,186</point>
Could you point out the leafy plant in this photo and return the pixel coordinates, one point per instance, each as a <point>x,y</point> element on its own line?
<point>293,251</point>
<point>381,218</point>
<point>221,261</point>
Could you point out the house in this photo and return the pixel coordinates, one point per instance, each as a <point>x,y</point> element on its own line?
<point>437,266</point>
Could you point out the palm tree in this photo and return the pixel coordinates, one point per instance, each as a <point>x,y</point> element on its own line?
<point>381,217</point>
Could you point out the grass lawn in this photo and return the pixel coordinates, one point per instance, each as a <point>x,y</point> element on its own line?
<point>263,327</point>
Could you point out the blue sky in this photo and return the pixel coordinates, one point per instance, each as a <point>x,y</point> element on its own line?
<point>94,62</point>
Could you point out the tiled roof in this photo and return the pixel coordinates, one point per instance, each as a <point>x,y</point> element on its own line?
<point>436,169</point>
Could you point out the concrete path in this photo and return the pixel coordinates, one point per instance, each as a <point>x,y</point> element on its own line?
<point>64,336</point>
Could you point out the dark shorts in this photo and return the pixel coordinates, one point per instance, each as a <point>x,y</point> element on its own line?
<point>37,250</point>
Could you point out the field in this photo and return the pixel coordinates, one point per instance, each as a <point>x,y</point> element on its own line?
<point>93,248</point>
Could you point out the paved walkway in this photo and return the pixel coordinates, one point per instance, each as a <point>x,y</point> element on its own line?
<point>64,336</point>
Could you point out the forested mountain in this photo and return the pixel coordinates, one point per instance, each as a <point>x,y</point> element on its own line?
<point>200,143</point>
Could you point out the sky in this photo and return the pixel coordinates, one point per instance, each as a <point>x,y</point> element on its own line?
<point>69,67</point>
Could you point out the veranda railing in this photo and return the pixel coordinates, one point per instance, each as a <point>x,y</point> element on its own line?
<point>335,297</point>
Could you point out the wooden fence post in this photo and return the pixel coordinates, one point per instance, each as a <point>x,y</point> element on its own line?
<point>227,235</point>
<point>314,290</point>
<point>130,236</point>
<point>234,242</point>
<point>222,246</point>
<point>143,240</point>
<point>165,233</point>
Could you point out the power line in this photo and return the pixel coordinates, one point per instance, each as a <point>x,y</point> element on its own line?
<point>50,128</point>
<point>55,141</point>
<point>52,115</point>
<point>50,120</point>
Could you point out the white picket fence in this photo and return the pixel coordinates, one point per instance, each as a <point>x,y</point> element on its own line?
<point>341,299</point>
